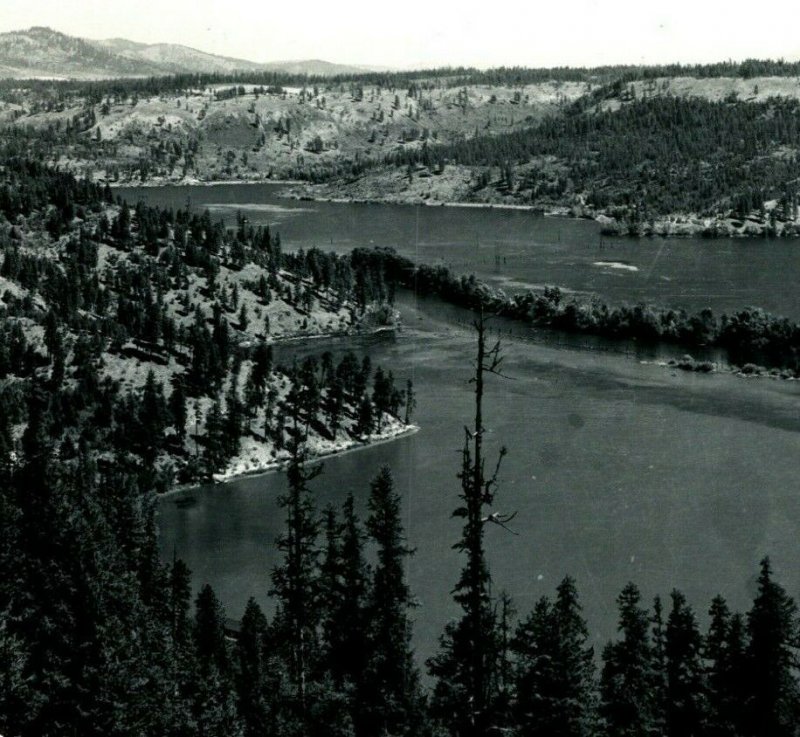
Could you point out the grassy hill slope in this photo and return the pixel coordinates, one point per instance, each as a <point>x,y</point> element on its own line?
<point>647,153</point>
<point>153,333</point>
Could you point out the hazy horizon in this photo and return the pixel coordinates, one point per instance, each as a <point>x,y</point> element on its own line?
<point>418,34</point>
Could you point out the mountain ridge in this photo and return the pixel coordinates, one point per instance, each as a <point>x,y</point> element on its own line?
<point>43,52</point>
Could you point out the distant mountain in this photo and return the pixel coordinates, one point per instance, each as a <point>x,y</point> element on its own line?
<point>43,52</point>
<point>317,67</point>
<point>174,57</point>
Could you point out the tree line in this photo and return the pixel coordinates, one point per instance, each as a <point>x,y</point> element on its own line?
<point>635,159</point>
<point>97,90</point>
<point>749,336</point>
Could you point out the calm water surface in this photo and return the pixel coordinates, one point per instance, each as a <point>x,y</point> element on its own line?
<point>617,470</point>
<point>518,249</point>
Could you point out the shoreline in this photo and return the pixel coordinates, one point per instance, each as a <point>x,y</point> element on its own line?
<point>669,226</point>
<point>276,466</point>
<point>153,184</point>
<point>427,203</point>
<point>380,330</point>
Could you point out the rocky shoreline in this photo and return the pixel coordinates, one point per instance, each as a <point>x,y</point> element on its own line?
<point>672,225</point>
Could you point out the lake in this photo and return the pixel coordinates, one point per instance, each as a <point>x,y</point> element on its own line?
<point>618,470</point>
<point>518,249</point>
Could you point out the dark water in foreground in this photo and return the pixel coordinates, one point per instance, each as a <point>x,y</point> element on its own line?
<point>518,249</point>
<point>618,471</point>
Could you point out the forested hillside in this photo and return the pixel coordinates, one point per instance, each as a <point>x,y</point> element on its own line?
<point>142,348</point>
<point>666,150</point>
<point>129,132</point>
<point>645,157</point>
<point>152,333</point>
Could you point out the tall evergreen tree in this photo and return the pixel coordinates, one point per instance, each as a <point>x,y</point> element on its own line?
<point>344,585</point>
<point>686,703</point>
<point>534,647</point>
<point>772,708</point>
<point>215,703</point>
<point>554,672</point>
<point>152,418</point>
<point>464,696</point>
<point>252,684</point>
<point>726,674</point>
<point>365,421</point>
<point>215,454</point>
<point>658,632</point>
<point>177,407</point>
<point>391,697</point>
<point>629,706</point>
<point>183,664</point>
<point>295,582</point>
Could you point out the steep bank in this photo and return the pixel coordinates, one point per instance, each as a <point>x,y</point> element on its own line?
<point>456,186</point>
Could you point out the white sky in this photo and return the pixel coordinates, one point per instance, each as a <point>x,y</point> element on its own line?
<point>413,33</point>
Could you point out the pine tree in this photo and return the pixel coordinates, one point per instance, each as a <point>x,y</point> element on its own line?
<point>183,665</point>
<point>252,684</point>
<point>152,418</point>
<point>334,401</point>
<point>628,705</point>
<point>554,673</point>
<point>724,652</point>
<point>534,647</point>
<point>233,419</point>
<point>504,673</point>
<point>576,661</point>
<point>366,418</point>
<point>295,583</point>
<point>262,363</point>
<point>391,696</point>
<point>121,228</point>
<point>686,703</point>
<point>215,451</point>
<point>209,632</point>
<point>772,708</point>
<point>331,588</point>
<point>177,407</point>
<point>659,656</point>
<point>307,391</point>
<point>344,586</point>
<point>464,696</point>
<point>381,395</point>
<point>215,704</point>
